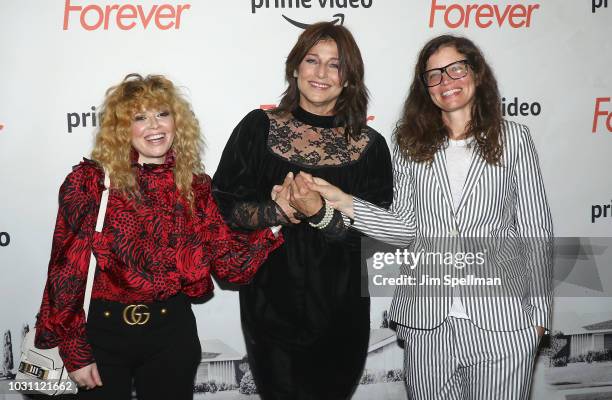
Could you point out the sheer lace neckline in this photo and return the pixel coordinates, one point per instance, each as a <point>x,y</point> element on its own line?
<point>312,140</point>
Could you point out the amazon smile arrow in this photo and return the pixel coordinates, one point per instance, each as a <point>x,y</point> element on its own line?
<point>338,20</point>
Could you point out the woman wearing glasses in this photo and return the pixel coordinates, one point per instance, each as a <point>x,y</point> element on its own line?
<point>462,172</point>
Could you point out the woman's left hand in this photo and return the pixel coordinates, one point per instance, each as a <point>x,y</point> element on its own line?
<point>304,200</point>
<point>333,195</point>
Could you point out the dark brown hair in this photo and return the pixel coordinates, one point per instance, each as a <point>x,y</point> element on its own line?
<point>420,132</point>
<point>352,105</point>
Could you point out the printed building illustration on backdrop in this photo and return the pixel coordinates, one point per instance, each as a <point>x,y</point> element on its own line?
<point>219,363</point>
<point>6,370</point>
<point>384,354</point>
<point>585,332</point>
<point>593,337</point>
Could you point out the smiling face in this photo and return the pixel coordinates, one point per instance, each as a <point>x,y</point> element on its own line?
<point>452,95</point>
<point>152,135</point>
<point>318,78</point>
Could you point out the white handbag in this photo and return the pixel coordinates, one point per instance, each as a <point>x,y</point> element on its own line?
<point>42,370</point>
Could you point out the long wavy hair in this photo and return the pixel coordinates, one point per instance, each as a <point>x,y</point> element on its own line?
<point>113,147</point>
<point>420,132</point>
<point>352,104</point>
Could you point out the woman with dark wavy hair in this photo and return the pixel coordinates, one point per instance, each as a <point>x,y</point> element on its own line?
<point>305,320</point>
<point>425,126</point>
<point>163,237</point>
<point>461,172</point>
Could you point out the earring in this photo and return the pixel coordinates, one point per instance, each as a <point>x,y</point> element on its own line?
<point>345,84</point>
<point>295,74</point>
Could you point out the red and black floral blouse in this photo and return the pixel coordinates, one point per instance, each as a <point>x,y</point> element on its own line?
<point>150,248</point>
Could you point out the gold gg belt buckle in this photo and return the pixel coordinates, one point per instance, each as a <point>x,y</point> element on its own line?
<point>136,314</point>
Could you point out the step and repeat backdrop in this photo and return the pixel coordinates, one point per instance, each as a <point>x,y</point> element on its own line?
<point>552,58</point>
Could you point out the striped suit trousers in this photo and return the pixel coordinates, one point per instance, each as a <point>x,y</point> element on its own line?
<point>460,361</point>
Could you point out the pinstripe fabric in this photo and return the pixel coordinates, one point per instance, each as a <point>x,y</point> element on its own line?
<point>459,361</point>
<point>506,201</point>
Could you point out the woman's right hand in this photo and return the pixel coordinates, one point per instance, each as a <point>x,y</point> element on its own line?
<point>336,198</point>
<point>87,377</point>
<point>280,194</point>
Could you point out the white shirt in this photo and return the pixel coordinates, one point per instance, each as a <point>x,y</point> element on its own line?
<point>458,159</point>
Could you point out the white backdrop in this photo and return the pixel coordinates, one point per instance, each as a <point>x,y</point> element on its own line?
<point>229,55</point>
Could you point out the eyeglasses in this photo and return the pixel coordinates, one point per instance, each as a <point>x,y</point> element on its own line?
<point>456,70</point>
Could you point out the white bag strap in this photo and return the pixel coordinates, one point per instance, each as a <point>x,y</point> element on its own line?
<point>92,259</point>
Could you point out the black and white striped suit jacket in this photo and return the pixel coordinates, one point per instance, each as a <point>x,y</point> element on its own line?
<point>505,201</point>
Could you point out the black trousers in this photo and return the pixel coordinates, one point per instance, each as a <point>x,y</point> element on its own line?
<point>158,358</point>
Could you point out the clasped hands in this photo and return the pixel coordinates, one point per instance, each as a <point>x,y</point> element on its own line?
<point>303,195</point>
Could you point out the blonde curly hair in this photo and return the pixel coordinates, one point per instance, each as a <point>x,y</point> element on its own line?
<point>113,146</point>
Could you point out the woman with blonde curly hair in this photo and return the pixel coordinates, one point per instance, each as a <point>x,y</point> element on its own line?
<point>162,238</point>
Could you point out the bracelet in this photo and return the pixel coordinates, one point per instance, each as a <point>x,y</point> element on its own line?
<point>329,214</point>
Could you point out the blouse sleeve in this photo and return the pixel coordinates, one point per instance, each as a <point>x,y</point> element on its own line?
<point>61,320</point>
<point>234,183</point>
<point>236,256</point>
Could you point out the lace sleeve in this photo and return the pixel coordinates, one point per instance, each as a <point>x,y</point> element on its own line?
<point>242,201</point>
<point>336,229</point>
<point>257,215</point>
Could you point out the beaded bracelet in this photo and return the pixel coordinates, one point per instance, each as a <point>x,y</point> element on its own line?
<point>329,214</point>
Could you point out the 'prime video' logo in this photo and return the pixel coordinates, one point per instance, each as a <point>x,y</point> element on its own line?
<point>332,5</point>
<point>601,211</point>
<point>5,239</point>
<point>79,120</point>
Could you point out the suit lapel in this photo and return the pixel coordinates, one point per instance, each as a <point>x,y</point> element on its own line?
<point>474,173</point>
<point>439,168</point>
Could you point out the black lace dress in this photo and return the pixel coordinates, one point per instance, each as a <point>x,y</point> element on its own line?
<point>305,317</point>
